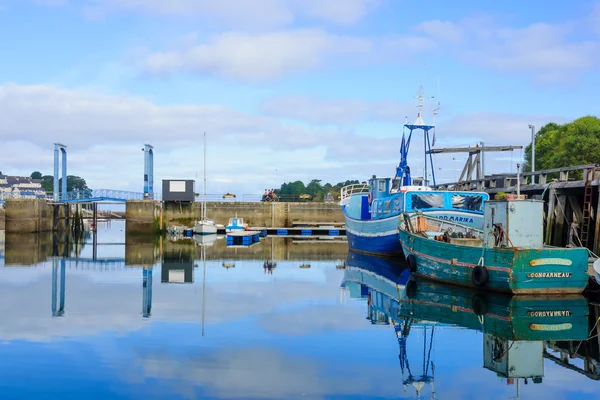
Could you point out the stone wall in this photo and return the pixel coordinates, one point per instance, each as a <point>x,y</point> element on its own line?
<point>27,248</point>
<point>141,250</point>
<point>258,214</point>
<point>142,216</point>
<point>28,216</point>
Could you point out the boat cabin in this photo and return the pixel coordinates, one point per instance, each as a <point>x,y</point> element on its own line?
<point>235,224</point>
<point>427,200</point>
<point>384,187</point>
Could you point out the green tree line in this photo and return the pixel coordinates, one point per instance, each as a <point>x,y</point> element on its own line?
<point>73,182</point>
<point>313,191</point>
<point>570,144</point>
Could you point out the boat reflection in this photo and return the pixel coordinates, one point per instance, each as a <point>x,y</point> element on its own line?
<point>517,331</point>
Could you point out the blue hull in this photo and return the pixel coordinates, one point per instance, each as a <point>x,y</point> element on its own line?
<point>374,236</point>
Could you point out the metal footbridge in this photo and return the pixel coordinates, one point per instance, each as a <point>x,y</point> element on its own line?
<point>82,196</point>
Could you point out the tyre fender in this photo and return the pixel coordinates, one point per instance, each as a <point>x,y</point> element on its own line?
<point>480,276</point>
<point>411,260</point>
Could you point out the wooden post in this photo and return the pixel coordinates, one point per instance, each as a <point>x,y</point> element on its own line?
<point>550,215</point>
<point>160,223</point>
<point>559,237</point>
<point>577,211</point>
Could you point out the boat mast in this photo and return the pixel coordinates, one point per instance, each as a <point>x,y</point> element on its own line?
<point>204,190</point>
<point>203,284</point>
<point>418,124</point>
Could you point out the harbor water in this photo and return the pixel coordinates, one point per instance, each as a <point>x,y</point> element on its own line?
<point>118,317</point>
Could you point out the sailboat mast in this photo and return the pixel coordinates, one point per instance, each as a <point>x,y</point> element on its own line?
<point>203,284</point>
<point>204,191</point>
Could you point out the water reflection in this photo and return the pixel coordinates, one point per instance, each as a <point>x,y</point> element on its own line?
<point>517,330</point>
<point>282,319</point>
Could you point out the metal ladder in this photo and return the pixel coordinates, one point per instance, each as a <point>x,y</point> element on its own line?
<point>587,206</point>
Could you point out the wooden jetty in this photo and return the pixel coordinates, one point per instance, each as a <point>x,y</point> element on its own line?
<point>571,194</point>
<point>297,231</point>
<point>244,238</point>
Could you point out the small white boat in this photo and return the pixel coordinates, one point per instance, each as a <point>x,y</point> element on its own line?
<point>236,224</point>
<point>205,227</point>
<point>206,240</point>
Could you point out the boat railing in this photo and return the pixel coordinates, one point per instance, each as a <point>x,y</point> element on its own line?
<point>356,188</point>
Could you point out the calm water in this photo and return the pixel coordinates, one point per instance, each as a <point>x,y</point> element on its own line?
<point>280,320</point>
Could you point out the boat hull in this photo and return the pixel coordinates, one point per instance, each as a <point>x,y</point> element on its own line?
<point>529,318</point>
<point>205,229</point>
<point>374,236</point>
<point>520,271</point>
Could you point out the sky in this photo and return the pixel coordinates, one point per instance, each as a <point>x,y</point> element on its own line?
<point>285,90</point>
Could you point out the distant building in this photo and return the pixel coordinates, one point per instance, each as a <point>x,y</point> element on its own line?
<point>19,187</point>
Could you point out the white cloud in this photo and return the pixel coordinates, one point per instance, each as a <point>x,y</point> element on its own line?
<point>547,52</point>
<point>444,31</point>
<point>121,291</point>
<point>258,57</point>
<point>343,12</point>
<point>104,135</point>
<point>82,119</point>
<point>335,111</point>
<point>240,12</point>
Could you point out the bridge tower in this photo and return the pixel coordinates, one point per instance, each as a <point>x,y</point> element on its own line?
<point>148,172</point>
<point>58,290</point>
<point>62,149</point>
<point>147,293</point>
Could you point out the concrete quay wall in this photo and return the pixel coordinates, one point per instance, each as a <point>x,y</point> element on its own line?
<point>149,216</point>
<point>28,216</point>
<point>142,216</point>
<point>275,215</point>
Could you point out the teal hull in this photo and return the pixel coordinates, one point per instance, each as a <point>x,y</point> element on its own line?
<point>528,318</point>
<point>425,302</point>
<point>520,271</point>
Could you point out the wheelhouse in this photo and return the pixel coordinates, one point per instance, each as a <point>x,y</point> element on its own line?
<point>409,201</point>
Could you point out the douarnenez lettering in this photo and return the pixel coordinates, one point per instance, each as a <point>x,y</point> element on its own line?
<point>457,219</point>
<point>549,275</point>
<point>553,313</point>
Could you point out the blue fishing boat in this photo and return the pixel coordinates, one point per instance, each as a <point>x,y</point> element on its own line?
<point>367,271</point>
<point>371,210</point>
<point>508,254</point>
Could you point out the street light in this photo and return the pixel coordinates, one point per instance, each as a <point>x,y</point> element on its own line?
<point>532,152</point>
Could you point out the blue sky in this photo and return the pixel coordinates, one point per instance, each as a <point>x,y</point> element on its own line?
<point>285,89</point>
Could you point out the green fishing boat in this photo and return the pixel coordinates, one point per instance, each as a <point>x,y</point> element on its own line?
<point>508,255</point>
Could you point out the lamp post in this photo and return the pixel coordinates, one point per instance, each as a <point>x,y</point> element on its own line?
<point>532,152</point>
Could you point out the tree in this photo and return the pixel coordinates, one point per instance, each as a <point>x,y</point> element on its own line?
<point>48,183</point>
<point>293,190</point>
<point>314,189</point>
<point>73,182</point>
<point>574,143</point>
